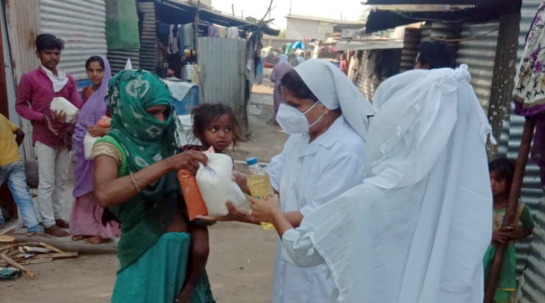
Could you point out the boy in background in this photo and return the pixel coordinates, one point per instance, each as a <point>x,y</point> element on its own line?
<point>12,171</point>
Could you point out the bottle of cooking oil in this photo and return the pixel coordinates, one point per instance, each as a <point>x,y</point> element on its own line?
<point>259,184</point>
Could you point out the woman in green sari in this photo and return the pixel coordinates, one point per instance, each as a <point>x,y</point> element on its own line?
<point>135,178</point>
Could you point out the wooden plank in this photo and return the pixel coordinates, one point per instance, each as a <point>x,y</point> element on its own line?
<point>36,261</point>
<point>12,227</point>
<point>51,247</point>
<point>29,272</point>
<point>32,249</point>
<point>7,239</point>
<point>58,255</point>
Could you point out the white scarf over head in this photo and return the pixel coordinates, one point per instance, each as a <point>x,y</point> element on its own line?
<point>416,230</point>
<point>59,81</point>
<point>331,86</point>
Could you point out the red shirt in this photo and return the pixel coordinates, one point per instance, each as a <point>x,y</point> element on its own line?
<point>34,96</point>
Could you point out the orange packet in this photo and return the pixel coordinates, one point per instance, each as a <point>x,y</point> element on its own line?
<point>192,195</point>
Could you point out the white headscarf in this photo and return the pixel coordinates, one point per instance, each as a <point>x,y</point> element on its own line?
<point>417,229</point>
<point>334,91</point>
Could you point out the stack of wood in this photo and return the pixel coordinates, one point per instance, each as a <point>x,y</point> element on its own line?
<point>16,255</point>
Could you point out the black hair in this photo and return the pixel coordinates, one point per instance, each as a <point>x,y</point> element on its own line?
<point>436,54</point>
<point>48,42</point>
<point>94,59</point>
<point>206,113</point>
<point>295,84</point>
<point>504,169</point>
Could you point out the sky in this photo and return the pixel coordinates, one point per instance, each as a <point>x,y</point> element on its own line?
<point>350,10</point>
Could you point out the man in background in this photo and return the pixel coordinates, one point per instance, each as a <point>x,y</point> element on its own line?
<point>52,136</point>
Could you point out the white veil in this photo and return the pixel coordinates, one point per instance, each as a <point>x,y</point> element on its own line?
<point>417,229</point>
<point>334,90</point>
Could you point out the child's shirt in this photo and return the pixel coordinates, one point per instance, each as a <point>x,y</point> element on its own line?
<point>9,150</point>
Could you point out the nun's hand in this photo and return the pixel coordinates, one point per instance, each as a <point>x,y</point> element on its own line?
<point>264,210</point>
<point>235,214</point>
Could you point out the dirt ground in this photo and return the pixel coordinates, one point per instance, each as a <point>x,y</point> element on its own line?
<point>241,260</point>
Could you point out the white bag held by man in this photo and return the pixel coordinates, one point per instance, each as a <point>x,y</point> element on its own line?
<point>60,104</point>
<point>216,184</point>
<point>88,142</point>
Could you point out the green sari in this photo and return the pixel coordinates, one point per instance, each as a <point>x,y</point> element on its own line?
<point>153,262</point>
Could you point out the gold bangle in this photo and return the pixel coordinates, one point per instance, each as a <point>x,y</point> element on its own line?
<point>135,183</point>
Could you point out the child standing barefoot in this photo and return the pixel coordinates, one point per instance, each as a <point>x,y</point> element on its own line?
<point>214,125</point>
<point>501,177</point>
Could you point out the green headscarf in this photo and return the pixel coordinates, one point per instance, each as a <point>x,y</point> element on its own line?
<point>145,139</point>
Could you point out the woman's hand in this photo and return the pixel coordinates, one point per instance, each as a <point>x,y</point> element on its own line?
<point>188,160</point>
<point>59,116</point>
<point>235,214</point>
<point>96,131</point>
<point>265,210</point>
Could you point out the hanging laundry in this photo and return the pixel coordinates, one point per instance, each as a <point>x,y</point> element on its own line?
<point>173,40</point>
<point>189,36</point>
<point>163,32</point>
<point>213,31</point>
<point>181,40</point>
<point>222,32</point>
<point>122,31</point>
<point>232,32</point>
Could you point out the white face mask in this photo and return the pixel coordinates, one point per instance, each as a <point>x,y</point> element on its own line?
<point>293,121</point>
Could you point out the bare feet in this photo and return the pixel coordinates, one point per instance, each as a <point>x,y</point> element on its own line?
<point>79,237</point>
<point>61,223</point>
<point>96,240</point>
<point>56,231</point>
<point>30,235</point>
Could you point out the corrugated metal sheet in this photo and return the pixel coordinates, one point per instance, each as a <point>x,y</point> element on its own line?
<point>222,64</point>
<point>532,284</point>
<point>82,26</point>
<point>478,50</point>
<point>23,18</point>
<point>118,59</point>
<point>148,37</point>
<point>410,48</point>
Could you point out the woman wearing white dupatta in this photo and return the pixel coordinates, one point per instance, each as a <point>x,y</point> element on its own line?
<point>417,229</point>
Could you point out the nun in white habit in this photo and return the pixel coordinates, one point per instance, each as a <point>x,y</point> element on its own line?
<point>327,119</point>
<point>417,228</point>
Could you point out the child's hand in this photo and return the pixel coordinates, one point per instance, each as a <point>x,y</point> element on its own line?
<point>185,295</point>
<point>264,210</point>
<point>501,236</point>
